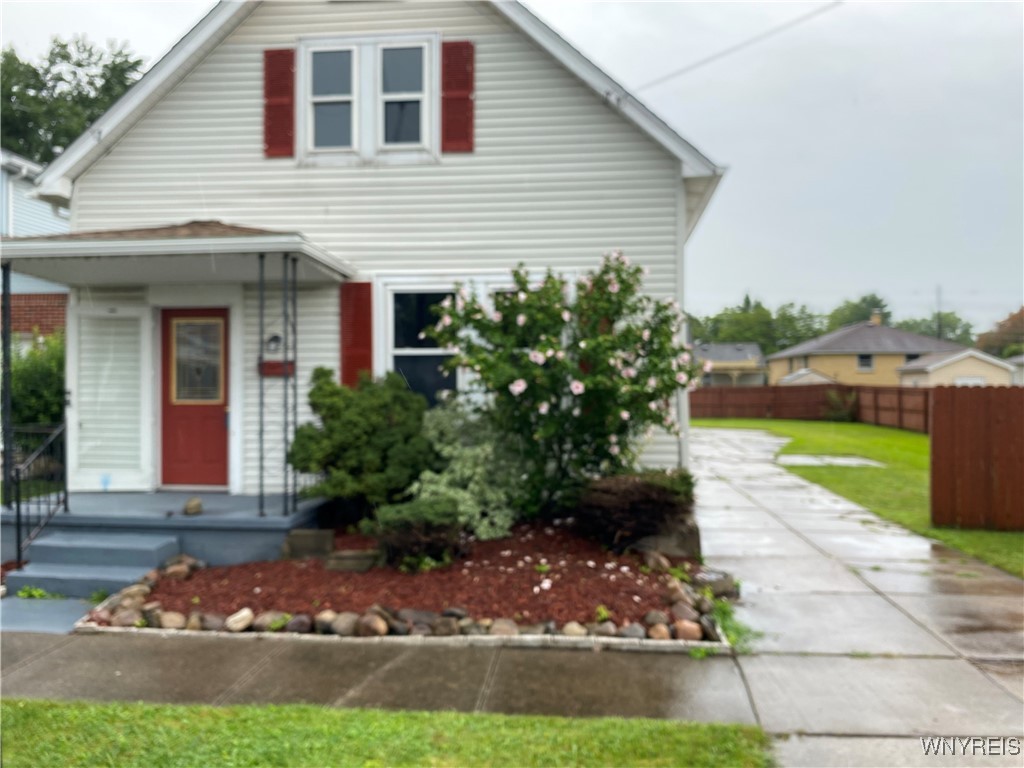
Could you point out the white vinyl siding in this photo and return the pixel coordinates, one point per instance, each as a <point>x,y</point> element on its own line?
<point>28,216</point>
<point>556,179</point>
<point>109,396</point>
<point>319,346</point>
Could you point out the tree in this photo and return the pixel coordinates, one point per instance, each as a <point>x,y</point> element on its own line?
<point>1007,338</point>
<point>795,325</point>
<point>752,321</point>
<point>942,325</point>
<point>47,105</point>
<point>858,311</point>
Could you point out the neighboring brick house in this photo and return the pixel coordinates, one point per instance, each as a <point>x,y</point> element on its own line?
<point>38,307</point>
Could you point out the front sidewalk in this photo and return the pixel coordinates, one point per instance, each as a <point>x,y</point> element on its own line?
<point>873,636</point>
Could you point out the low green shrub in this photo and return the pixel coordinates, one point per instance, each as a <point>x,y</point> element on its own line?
<point>37,382</point>
<point>620,510</point>
<point>418,529</point>
<point>476,476</point>
<point>368,446</point>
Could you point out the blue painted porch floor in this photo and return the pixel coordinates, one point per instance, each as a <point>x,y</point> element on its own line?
<point>48,616</point>
<point>169,504</point>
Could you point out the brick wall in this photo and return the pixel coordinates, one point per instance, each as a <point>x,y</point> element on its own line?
<point>41,313</point>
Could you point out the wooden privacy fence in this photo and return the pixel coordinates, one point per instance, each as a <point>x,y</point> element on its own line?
<point>977,457</point>
<point>901,407</point>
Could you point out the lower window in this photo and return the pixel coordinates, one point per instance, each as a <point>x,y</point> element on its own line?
<point>418,360</point>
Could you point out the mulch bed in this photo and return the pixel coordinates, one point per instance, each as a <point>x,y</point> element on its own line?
<point>9,565</point>
<point>498,579</point>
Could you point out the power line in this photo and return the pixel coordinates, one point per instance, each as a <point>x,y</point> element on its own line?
<point>740,46</point>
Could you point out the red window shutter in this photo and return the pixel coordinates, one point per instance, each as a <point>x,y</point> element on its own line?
<point>279,103</point>
<point>457,94</point>
<point>356,331</point>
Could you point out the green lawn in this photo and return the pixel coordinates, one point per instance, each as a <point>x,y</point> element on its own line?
<point>897,492</point>
<point>38,733</point>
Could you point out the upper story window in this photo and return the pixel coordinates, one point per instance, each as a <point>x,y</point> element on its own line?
<point>369,99</point>
<point>865,363</point>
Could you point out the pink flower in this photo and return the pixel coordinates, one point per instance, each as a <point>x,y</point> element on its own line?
<point>646,335</point>
<point>629,372</point>
<point>517,387</point>
<point>446,320</point>
<point>447,302</point>
<point>576,387</point>
<point>685,358</point>
<point>614,450</point>
<point>520,320</point>
<point>613,287</point>
<point>576,413</point>
<point>560,355</point>
<point>536,357</point>
<point>550,353</point>
<point>708,365</point>
<point>682,378</point>
<point>496,317</point>
<point>566,317</point>
<point>652,383</point>
<point>543,408</point>
<point>613,439</point>
<point>521,296</point>
<point>421,336</point>
<point>583,345</point>
<point>624,415</point>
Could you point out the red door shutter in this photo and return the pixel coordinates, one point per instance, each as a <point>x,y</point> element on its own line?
<point>457,86</point>
<point>279,103</point>
<point>356,331</point>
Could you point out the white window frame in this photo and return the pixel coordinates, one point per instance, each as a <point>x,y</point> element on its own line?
<point>368,101</point>
<point>869,367</point>
<point>422,97</point>
<point>310,101</point>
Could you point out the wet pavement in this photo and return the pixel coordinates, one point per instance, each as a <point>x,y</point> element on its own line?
<point>873,637</point>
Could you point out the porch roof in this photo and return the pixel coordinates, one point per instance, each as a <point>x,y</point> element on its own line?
<point>196,251</point>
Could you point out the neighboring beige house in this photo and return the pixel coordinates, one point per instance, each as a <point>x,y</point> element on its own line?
<point>1017,361</point>
<point>966,368</point>
<point>862,353</point>
<point>734,364</point>
<point>803,377</point>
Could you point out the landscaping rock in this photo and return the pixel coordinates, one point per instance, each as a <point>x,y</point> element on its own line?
<point>659,632</point>
<point>178,572</point>
<point>684,611</point>
<point>213,622</point>
<point>463,623</point>
<point>127,618</point>
<point>300,623</point>
<point>421,629</point>
<point>371,625</point>
<point>704,605</point>
<point>446,626</point>
<point>135,590</point>
<point>344,624</point>
<point>130,604</point>
<point>151,613</point>
<point>323,621</point>
<point>504,627</point>
<point>710,629</point>
<point>472,628</point>
<point>194,506</point>
<point>720,582</point>
<point>270,621</point>
<point>574,629</point>
<point>655,617</point>
<point>353,561</point>
<point>195,622</point>
<point>656,561</point>
<point>172,620</point>
<point>533,629</point>
<point>239,621</point>
<point>414,616</point>
<point>151,577</point>
<point>100,616</point>
<point>395,625</point>
<point>606,629</point>
<point>687,630</point>
<point>676,591</point>
<point>635,631</point>
<point>455,612</point>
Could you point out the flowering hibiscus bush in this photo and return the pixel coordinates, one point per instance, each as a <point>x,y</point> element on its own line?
<point>573,378</point>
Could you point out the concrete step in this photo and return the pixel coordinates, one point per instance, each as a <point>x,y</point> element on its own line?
<point>127,549</point>
<point>75,580</point>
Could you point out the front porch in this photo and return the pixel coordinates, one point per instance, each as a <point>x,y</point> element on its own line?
<point>229,531</point>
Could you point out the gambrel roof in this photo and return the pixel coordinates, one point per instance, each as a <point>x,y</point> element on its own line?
<point>56,184</point>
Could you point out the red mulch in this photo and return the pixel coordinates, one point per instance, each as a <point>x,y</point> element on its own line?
<point>9,565</point>
<point>498,579</point>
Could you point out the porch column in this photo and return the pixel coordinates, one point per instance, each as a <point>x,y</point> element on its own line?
<point>5,382</point>
<point>285,414</point>
<point>259,368</point>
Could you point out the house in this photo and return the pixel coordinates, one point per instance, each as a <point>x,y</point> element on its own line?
<point>867,353</point>
<point>803,377</point>
<point>37,306</point>
<point>958,368</point>
<point>1017,361</point>
<point>295,184</point>
<point>739,364</point>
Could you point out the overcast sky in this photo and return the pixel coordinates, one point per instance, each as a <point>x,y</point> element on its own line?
<point>878,147</point>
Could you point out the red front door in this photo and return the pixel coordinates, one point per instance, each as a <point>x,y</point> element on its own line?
<point>194,399</point>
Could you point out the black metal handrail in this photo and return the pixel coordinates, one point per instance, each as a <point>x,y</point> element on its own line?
<point>39,488</point>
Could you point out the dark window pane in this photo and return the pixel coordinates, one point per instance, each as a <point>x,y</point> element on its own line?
<point>332,73</point>
<point>403,70</point>
<point>423,376</point>
<point>412,315</point>
<point>332,125</point>
<point>402,122</point>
